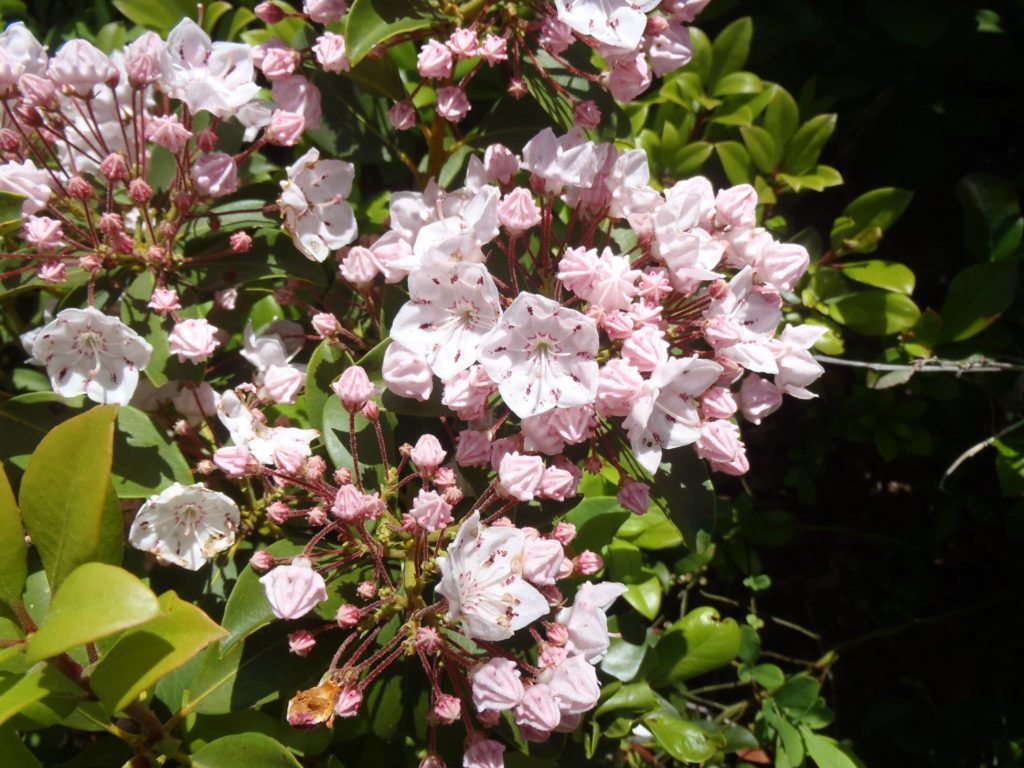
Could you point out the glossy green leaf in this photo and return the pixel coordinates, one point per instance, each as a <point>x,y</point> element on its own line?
<point>699,642</point>
<point>252,750</point>
<point>596,518</point>
<point>645,597</point>
<point>683,739</point>
<point>684,492</point>
<point>158,15</point>
<point>145,654</point>
<point>371,22</point>
<point>651,531</point>
<point>16,754</point>
<point>13,554</point>
<point>737,83</point>
<point>691,158</point>
<point>95,601</point>
<point>22,690</point>
<point>881,274</point>
<point>635,697</point>
<point>825,752</point>
<point>781,116</point>
<point>247,609</point>
<point>993,226</point>
<point>10,211</point>
<point>761,147</point>
<point>325,365</point>
<point>804,148</point>
<point>863,221</point>
<point>875,312</point>
<point>736,162</point>
<point>731,49</point>
<point>65,495</point>
<point>976,298</point>
<point>145,460</point>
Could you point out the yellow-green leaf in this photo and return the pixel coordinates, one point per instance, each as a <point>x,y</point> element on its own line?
<point>13,564</point>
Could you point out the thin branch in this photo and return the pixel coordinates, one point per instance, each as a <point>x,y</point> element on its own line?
<point>927,365</point>
<point>974,450</point>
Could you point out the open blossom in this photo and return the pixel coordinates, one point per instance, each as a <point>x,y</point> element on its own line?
<point>20,54</point>
<point>185,525</point>
<point>86,352</point>
<point>542,355</point>
<point>80,66</point>
<point>665,416</point>
<point>266,445</point>
<point>586,620</point>
<point>207,76</point>
<point>449,314</point>
<point>481,577</point>
<point>25,179</point>
<point>618,23</point>
<point>294,590</point>
<point>797,367</point>
<point>313,203</point>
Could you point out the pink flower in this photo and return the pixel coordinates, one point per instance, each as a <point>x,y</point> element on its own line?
<point>427,454</point>
<point>782,264</point>
<point>168,132</point>
<point>619,385</point>
<point>538,712</point>
<point>473,449</point>
<point>428,640</point>
<point>758,399</point>
<point>554,35</point>
<point>493,49</point>
<point>282,383</point>
<point>434,60</point>
<point>519,476</point>
<point>736,206</point>
<point>517,211</point>
<point>347,616</point>
<point>719,443</point>
<point>268,13</point>
<point>235,461</point>
<point>349,505</point>
<point>463,43</point>
<point>446,710</point>
<point>588,563</point>
<point>326,325</point>
<point>797,368</point>
<point>564,533</point>
<point>628,78</point>
<point>294,590</point>
<point>467,391</point>
<point>452,103</point>
<point>285,129</point>
<point>44,233</point>
<point>646,349</point>
<point>578,269</point>
<point>717,403</point>
<point>484,753</point>
<point>634,496</point>
<point>574,683</point>
<point>348,703</point>
<point>431,512</point>
<point>164,301</point>
<point>193,340</point>
<point>586,621</point>
<point>301,642</point>
<point>79,65</point>
<point>359,266</point>
<point>240,242</point>
<point>557,483</point>
<point>324,11</point>
<point>331,53</point>
<point>669,50</point>
<point>52,271</point>
<point>279,62</point>
<point>407,373</point>
<point>586,114</point>
<point>496,686</point>
<point>40,92</point>
<point>353,388</point>
<point>542,559</point>
<point>215,175</point>
<point>402,116</point>
<point>297,94</point>
<point>500,163</point>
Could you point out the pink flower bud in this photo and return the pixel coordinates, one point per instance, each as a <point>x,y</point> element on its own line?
<point>574,682</point>
<point>500,163</point>
<point>294,590</point>
<point>285,129</point>
<point>317,517</point>
<point>261,560</point>
<point>38,91</point>
<point>719,443</point>
<point>431,512</point>
<point>192,340</point>
<point>736,206</point>
<point>619,385</point>
<point>234,461</point>
<point>226,298</point>
<point>206,140</point>
<point>557,484</point>
<point>79,66</point>
<point>402,116</point>
<point>428,640</point>
<point>164,301</point>
<point>44,233</point>
<point>349,505</point>
<point>52,271</point>
<point>301,642</point>
<point>655,25</point>
<point>518,212</point>
<point>324,11</point>
<point>474,449</point>
<point>557,634</point>
<point>538,712</point>
<point>114,167</point>
<point>628,77</point>
<point>446,710</point>
<point>215,174</point>
<point>331,53</point>
<point>452,494</point>
<point>484,753</point>
<point>353,388</point>
<point>315,468</point>
<point>496,686</point>
<point>758,399</point>
<point>452,103</point>
<point>343,476</point>
<point>367,590</point>
<point>519,476</point>
<point>542,559</point>
<point>555,36</point>
<point>282,383</point>
<point>646,349</point>
<point>427,454</point>
<point>564,533</point>
<point>268,13</point>
<point>493,49</point>
<point>348,703</point>
<point>586,114</point>
<point>166,131</point>
<point>717,403</point>
<point>139,191</point>
<point>782,264</point>
<point>407,373</point>
<point>79,188</point>
<point>370,410</point>
<point>326,325</point>
<point>552,656</point>
<point>279,62</point>
<point>463,43</point>
<point>9,141</point>
<point>588,563</point>
<point>634,496</point>
<point>278,512</point>
<point>434,60</point>
<point>347,616</point>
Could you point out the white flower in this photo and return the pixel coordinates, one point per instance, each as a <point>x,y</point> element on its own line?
<point>797,368</point>
<point>619,23</point>
<point>541,356</point>
<point>207,76</point>
<point>459,236</point>
<point>586,619</point>
<point>276,344</point>
<point>20,54</point>
<point>665,416</point>
<point>482,579</point>
<point>265,444</point>
<point>185,525</point>
<point>89,353</point>
<point>313,203</point>
<point>753,312</point>
<point>449,314</point>
<point>562,162</point>
<point>25,179</point>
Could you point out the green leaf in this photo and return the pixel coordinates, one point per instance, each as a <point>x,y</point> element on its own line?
<point>651,531</point>
<point>781,116</point>
<point>371,22</point>
<point>881,274</point>
<point>731,49</point>
<point>145,654</point>
<point>697,643</point>
<point>736,162</point>
<point>683,739</point>
<point>798,694</point>
<point>13,555</point>
<point>875,312</point>
<point>738,83</point>
<point>790,744</point>
<point>596,518</point>
<point>761,147</point>
<point>16,754</point>
<point>95,601</point>
<point>977,297</point>
<point>145,460</point>
<point>378,75</point>
<point>645,597</point>
<point>825,752</point>
<point>65,495</point>
<point>684,492</point>
<point>804,148</point>
<point>158,15</point>
<point>863,221</point>
<point>325,365</point>
<point>993,225</point>
<point>20,691</point>
<point>247,609</point>
<point>10,212</point>
<point>252,750</point>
